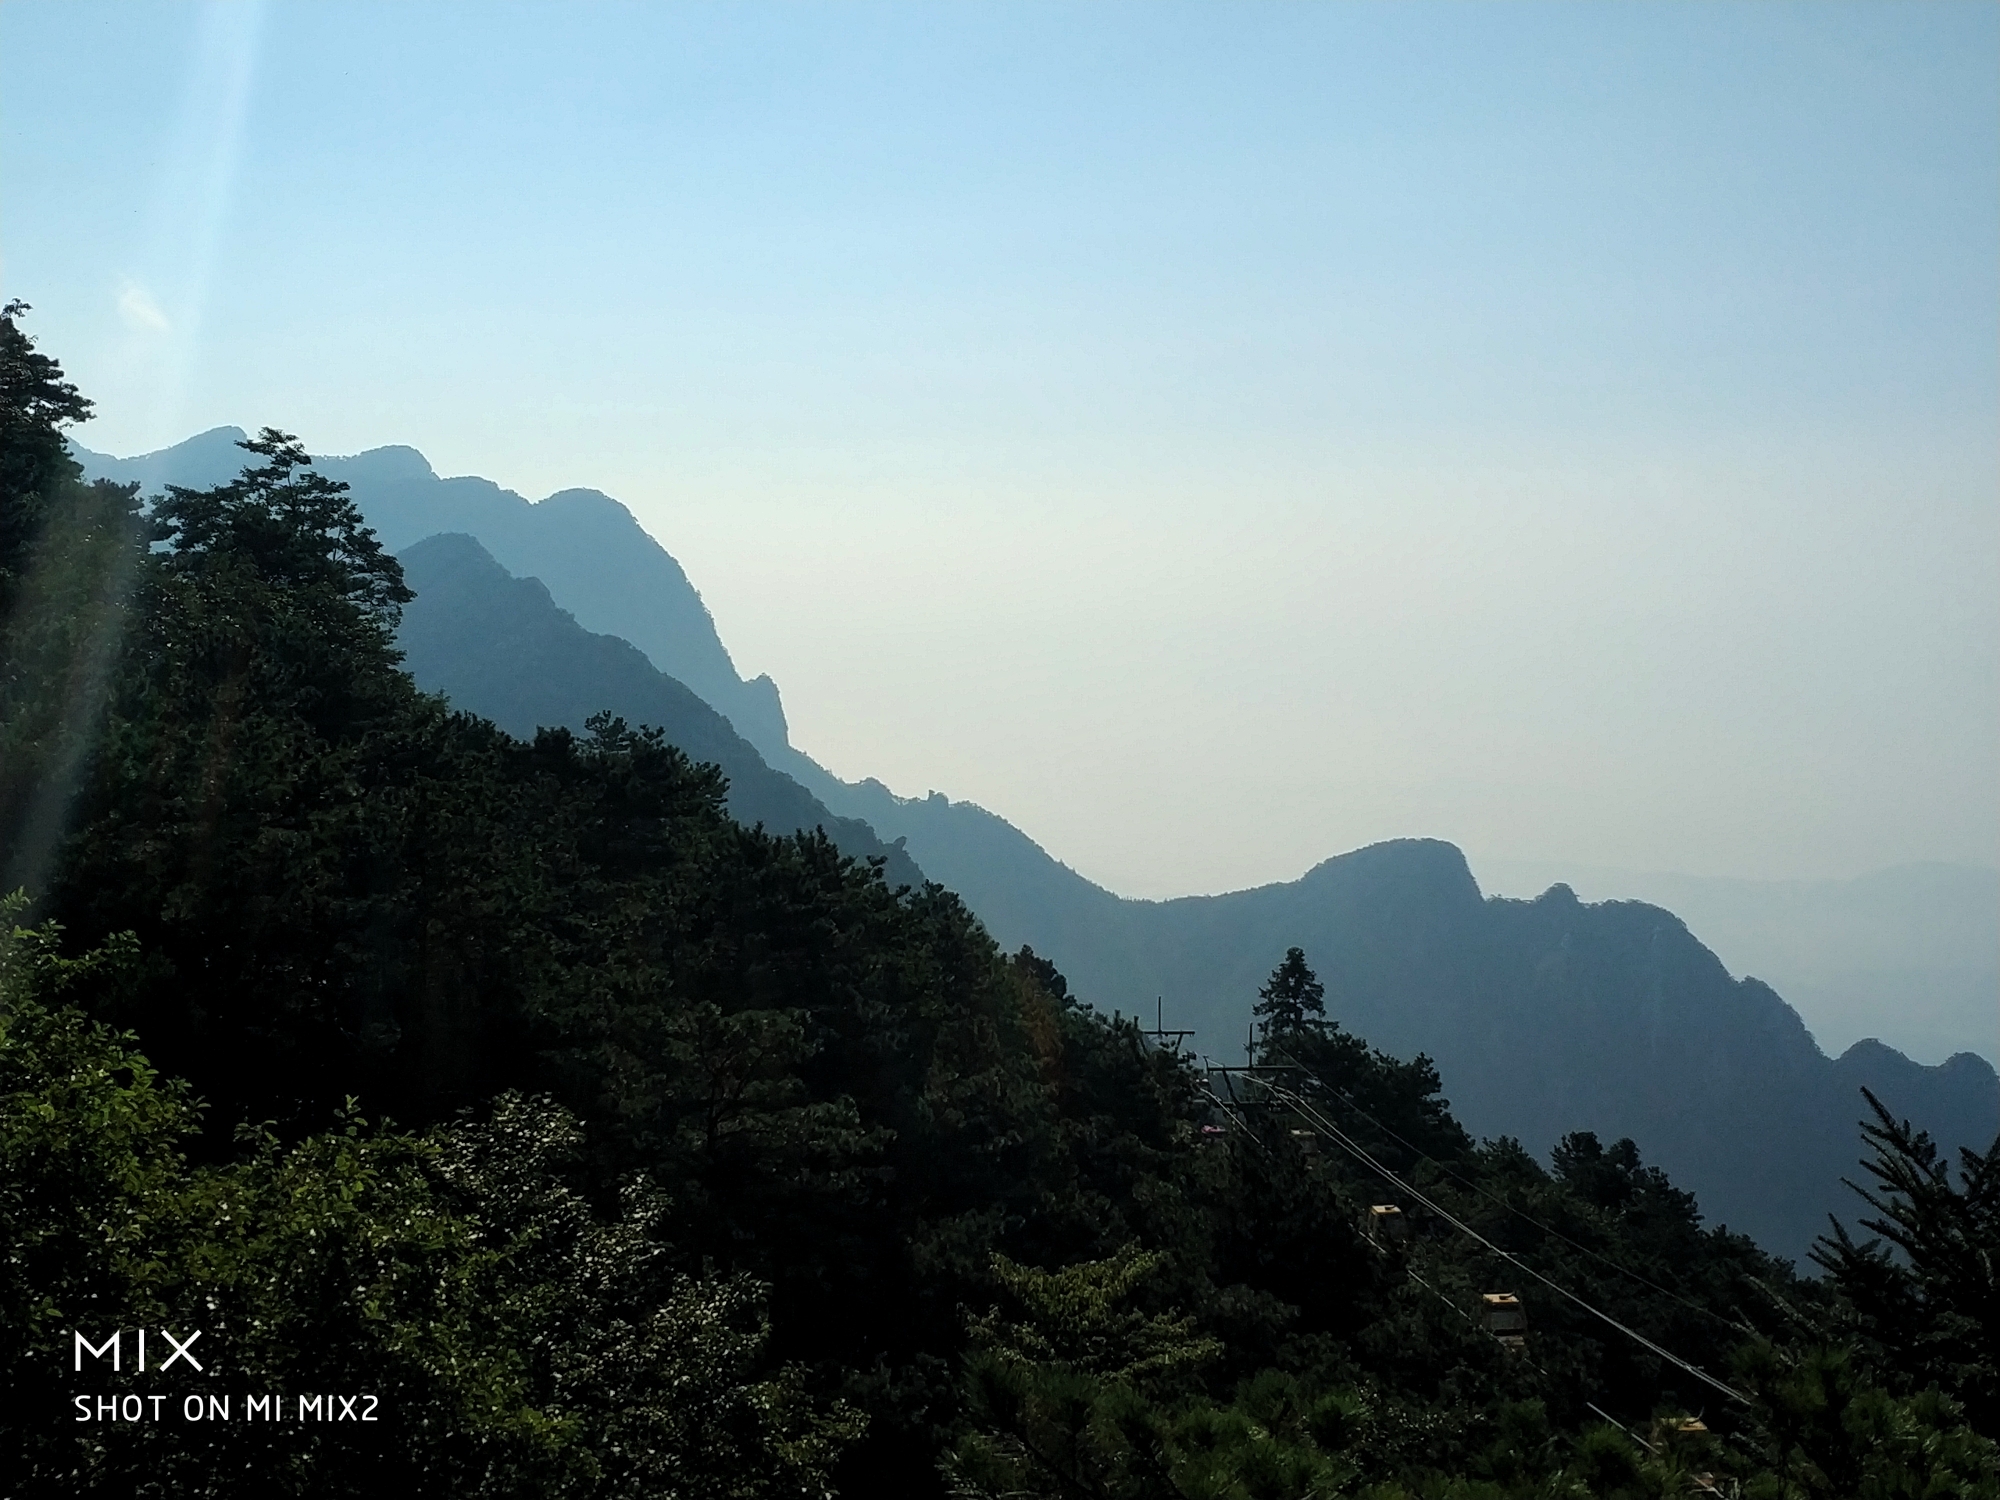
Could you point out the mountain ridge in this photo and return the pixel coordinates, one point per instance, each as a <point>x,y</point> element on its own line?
<point>534,665</point>
<point>1918,941</point>
<point>587,547</point>
<point>1544,1015</point>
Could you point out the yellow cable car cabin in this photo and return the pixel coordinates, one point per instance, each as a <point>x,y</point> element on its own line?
<point>1387,1224</point>
<point>1506,1319</point>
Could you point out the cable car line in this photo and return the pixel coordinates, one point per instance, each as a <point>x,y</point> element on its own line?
<point>1522,1213</point>
<point>1333,1133</point>
<point>1231,1111</point>
<point>1777,1300</point>
<point>1314,1117</point>
<point>1536,1363</point>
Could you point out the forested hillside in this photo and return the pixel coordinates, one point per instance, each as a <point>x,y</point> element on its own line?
<point>1511,1067</point>
<point>1542,1016</point>
<point>721,1166</point>
<point>498,646</point>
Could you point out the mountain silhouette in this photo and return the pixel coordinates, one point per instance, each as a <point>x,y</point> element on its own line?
<point>1917,945</point>
<point>596,560</point>
<point>499,646</point>
<point>1544,1016</point>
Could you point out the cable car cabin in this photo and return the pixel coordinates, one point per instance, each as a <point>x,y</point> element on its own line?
<point>1506,1319</point>
<point>1387,1224</point>
<point>1307,1141</point>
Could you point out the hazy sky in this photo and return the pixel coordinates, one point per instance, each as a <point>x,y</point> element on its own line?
<point>1211,436</point>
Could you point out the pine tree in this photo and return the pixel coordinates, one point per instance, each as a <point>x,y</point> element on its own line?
<point>67,554</point>
<point>36,403</point>
<point>1293,1002</point>
<point>1929,1308</point>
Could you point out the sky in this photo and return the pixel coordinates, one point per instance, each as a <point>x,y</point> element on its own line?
<point>1213,437</point>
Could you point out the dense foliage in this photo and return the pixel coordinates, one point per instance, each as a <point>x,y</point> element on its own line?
<point>724,1168</point>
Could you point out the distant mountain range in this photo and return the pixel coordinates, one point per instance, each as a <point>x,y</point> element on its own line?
<point>1544,1016</point>
<point>499,646</point>
<point>1915,948</point>
<point>597,561</point>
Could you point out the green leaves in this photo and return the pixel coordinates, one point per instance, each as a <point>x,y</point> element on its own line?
<point>1931,1311</point>
<point>1053,1431</point>
<point>1292,1002</point>
<point>290,526</point>
<point>35,466</point>
<point>1826,1429</point>
<point>1071,1319</point>
<point>515,1341</point>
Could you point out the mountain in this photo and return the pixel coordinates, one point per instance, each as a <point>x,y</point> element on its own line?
<point>1544,1016</point>
<point>1551,1015</point>
<point>597,561</point>
<point>1914,949</point>
<point>499,646</point>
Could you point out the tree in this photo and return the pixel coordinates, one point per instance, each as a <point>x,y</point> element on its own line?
<point>516,1340</point>
<point>746,1131</point>
<point>36,403</point>
<point>1074,1398</point>
<point>1932,1313</point>
<point>68,551</point>
<point>1294,1002</point>
<point>291,526</point>
<point>260,733</point>
<point>1821,1429</point>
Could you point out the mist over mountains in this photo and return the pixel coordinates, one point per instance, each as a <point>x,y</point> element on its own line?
<point>500,646</point>
<point>1544,1015</point>
<point>1915,948</point>
<point>585,546</point>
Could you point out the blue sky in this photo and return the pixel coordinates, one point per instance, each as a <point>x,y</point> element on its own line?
<point>1212,436</point>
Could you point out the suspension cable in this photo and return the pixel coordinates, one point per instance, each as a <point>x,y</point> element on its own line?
<point>1523,1214</point>
<point>1333,1132</point>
